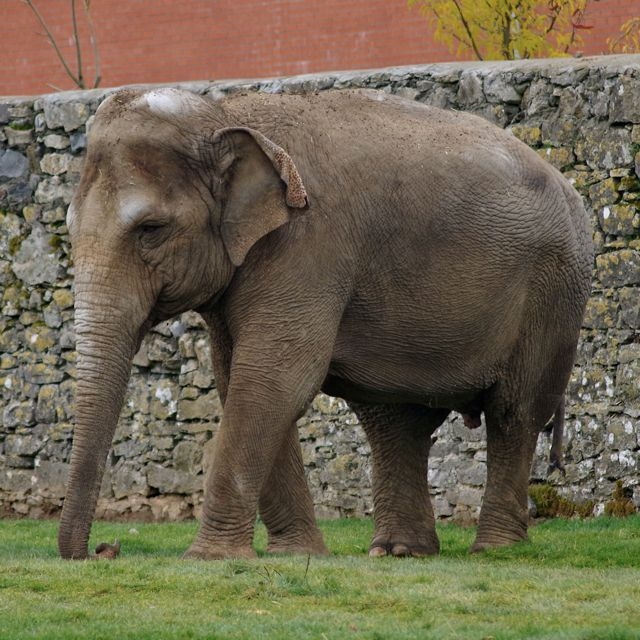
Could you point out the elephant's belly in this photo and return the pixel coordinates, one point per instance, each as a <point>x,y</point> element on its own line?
<point>431,366</point>
<point>350,391</point>
<point>415,373</point>
<point>441,355</point>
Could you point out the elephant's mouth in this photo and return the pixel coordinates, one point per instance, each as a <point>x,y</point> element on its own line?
<point>211,302</point>
<point>170,304</point>
<point>144,329</point>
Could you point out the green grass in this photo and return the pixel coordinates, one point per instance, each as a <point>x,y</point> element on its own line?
<point>575,580</point>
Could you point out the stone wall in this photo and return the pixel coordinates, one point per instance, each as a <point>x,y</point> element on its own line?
<point>583,116</point>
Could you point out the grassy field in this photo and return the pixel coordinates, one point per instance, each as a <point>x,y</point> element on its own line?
<point>575,580</point>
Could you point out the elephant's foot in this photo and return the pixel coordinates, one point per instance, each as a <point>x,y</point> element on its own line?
<point>486,540</point>
<point>209,551</point>
<point>298,549</point>
<point>399,547</point>
<point>484,543</point>
<point>311,544</point>
<point>501,524</point>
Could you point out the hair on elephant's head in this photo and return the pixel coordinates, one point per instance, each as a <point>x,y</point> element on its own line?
<point>171,200</point>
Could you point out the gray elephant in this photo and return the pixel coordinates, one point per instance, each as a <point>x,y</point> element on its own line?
<point>411,260</point>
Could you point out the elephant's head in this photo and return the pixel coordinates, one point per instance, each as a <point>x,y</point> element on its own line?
<point>170,202</point>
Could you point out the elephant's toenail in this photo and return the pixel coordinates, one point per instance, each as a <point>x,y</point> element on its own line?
<point>400,551</point>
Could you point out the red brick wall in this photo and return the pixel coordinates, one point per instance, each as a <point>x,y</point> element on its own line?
<point>607,16</point>
<point>146,41</point>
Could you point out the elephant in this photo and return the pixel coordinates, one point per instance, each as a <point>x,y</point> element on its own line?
<point>556,429</point>
<point>411,260</point>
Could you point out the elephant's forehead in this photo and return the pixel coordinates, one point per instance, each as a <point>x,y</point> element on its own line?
<point>169,101</point>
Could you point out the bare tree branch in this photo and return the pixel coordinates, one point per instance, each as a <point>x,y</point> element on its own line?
<point>555,12</point>
<point>76,39</point>
<point>467,28</point>
<point>506,34</point>
<point>52,41</point>
<point>455,36</point>
<point>78,78</point>
<point>94,43</point>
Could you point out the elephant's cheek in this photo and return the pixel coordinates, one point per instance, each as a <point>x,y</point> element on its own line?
<point>196,284</point>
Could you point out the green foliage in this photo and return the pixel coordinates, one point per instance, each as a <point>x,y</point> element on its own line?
<point>628,39</point>
<point>506,29</point>
<point>55,242</point>
<point>550,504</point>
<point>24,125</point>
<point>577,579</point>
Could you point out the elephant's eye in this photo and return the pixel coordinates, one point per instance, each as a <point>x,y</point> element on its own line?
<point>150,227</point>
<point>151,233</point>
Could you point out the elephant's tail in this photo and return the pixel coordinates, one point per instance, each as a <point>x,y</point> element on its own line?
<point>556,426</point>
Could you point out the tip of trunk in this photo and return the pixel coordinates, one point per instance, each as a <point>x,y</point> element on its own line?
<point>67,554</point>
<point>73,543</point>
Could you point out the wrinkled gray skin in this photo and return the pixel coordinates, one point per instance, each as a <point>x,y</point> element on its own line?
<point>410,260</point>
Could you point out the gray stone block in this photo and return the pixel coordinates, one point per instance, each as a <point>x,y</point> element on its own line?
<point>13,164</point>
<point>625,100</point>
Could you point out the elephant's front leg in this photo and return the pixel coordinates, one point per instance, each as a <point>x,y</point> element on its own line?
<point>262,403</point>
<point>400,438</point>
<point>232,488</point>
<point>285,503</point>
<point>286,506</point>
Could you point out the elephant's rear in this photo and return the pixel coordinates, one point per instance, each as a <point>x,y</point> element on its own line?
<point>568,297</point>
<point>513,214</point>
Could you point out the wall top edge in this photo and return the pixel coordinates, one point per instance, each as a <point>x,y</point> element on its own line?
<point>611,64</point>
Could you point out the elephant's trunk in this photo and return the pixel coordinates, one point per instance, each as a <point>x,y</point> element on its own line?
<point>106,340</point>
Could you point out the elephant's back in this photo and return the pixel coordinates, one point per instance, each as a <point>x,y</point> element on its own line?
<point>362,113</point>
<point>344,130</point>
<point>440,170</point>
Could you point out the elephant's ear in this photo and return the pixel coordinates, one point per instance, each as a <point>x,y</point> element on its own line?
<point>259,186</point>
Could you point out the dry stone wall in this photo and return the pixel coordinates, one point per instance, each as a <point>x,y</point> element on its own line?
<point>583,116</point>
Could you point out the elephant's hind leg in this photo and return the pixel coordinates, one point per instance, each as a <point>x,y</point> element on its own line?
<point>286,506</point>
<point>400,438</point>
<point>517,410</point>
<point>504,516</point>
